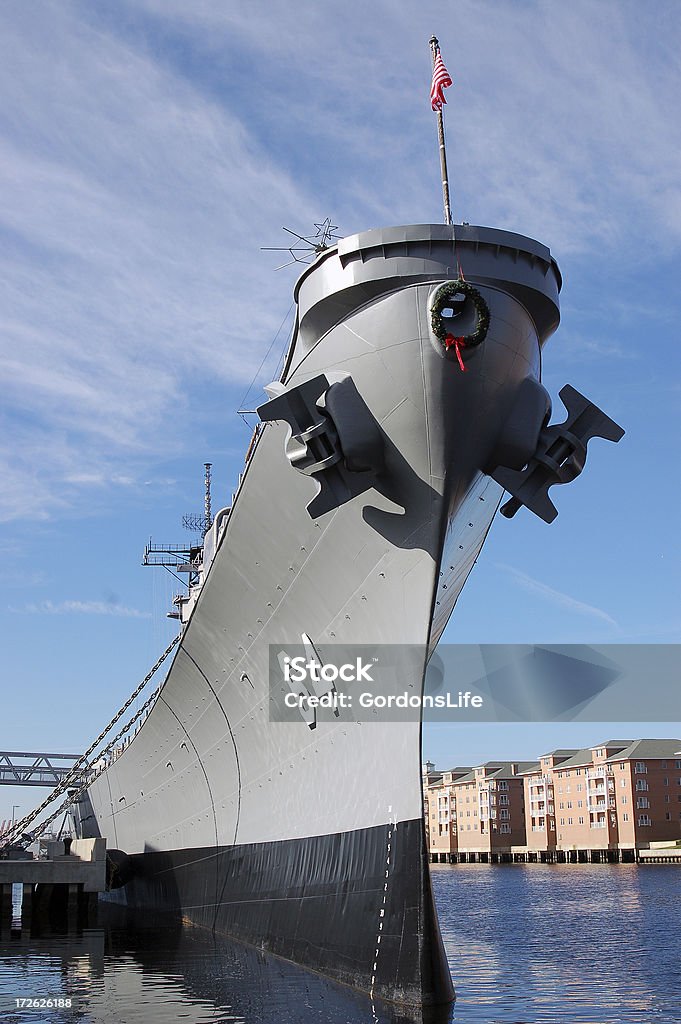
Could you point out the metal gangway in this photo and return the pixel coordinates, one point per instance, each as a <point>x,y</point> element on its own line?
<point>83,769</point>
<point>34,769</point>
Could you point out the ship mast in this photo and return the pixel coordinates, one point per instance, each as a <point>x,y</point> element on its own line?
<point>208,515</point>
<point>435,49</point>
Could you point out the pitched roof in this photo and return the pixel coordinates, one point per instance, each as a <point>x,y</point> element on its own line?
<point>578,758</point>
<point>499,770</point>
<point>562,754</point>
<point>647,748</point>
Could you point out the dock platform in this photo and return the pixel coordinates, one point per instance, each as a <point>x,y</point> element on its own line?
<point>70,880</point>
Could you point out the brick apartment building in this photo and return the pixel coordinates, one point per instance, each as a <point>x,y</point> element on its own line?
<point>540,807</point>
<point>621,795</point>
<point>475,811</point>
<point>440,809</point>
<point>609,800</point>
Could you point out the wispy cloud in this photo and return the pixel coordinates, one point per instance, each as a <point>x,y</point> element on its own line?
<point>81,608</point>
<point>557,597</point>
<point>544,113</point>
<point>133,205</point>
<point>577,347</point>
<point>142,167</point>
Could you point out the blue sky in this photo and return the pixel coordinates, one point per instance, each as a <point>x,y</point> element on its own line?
<point>149,149</point>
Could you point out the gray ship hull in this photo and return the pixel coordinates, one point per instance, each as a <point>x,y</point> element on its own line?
<point>309,842</point>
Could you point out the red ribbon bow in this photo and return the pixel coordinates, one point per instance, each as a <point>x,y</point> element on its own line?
<point>458,344</point>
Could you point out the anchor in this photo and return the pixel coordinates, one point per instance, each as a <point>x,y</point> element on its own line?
<point>559,455</point>
<point>334,437</point>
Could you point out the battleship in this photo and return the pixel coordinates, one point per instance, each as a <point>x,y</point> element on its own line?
<point>410,400</point>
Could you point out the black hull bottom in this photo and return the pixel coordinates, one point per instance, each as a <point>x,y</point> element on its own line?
<point>355,906</point>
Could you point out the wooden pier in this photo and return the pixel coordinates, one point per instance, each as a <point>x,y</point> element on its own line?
<point>655,853</point>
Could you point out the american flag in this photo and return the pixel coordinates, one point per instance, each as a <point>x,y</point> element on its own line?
<point>441,80</point>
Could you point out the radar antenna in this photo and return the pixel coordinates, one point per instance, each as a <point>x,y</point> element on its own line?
<point>194,521</point>
<point>307,246</point>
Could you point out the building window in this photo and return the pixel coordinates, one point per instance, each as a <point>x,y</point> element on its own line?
<point>580,820</point>
<point>625,817</point>
<point>663,764</point>
<point>666,780</point>
<point>553,825</point>
<point>640,768</point>
<point>642,785</point>
<point>623,800</point>
<point>677,764</point>
<point>623,783</point>
<point>562,820</point>
<point>668,816</point>
<point>644,819</point>
<point>506,829</point>
<point>643,801</point>
<point>667,798</point>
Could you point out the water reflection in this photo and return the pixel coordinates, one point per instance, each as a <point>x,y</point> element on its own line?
<point>537,944</point>
<point>543,943</point>
<point>142,970</point>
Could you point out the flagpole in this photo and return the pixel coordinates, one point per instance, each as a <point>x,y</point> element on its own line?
<point>435,49</point>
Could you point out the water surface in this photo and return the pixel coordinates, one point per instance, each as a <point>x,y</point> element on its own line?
<point>527,944</point>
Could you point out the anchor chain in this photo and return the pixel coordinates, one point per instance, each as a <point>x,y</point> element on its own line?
<point>74,773</point>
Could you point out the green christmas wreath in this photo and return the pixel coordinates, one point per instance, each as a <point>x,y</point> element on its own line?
<point>443,297</point>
